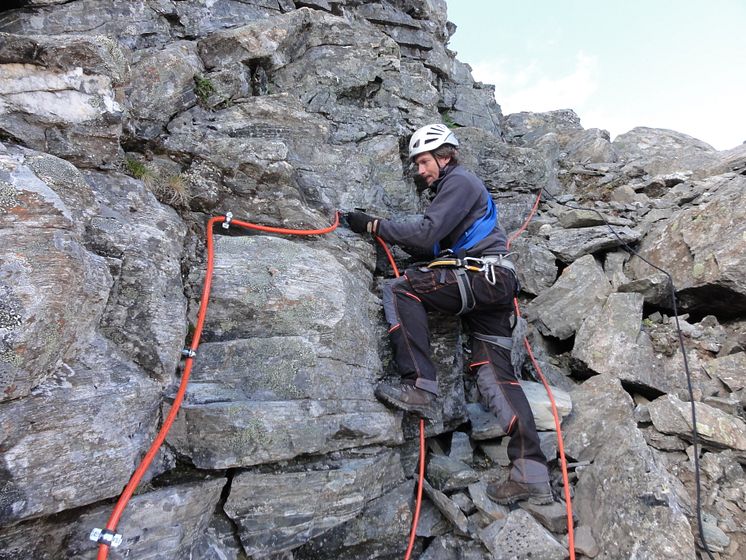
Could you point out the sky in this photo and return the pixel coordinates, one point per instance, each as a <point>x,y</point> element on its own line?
<point>675,64</point>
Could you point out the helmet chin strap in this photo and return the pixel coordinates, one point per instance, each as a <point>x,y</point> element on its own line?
<point>440,167</point>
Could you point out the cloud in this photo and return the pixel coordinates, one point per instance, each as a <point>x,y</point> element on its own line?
<point>533,88</point>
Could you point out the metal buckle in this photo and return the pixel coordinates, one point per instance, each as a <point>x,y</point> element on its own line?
<point>105,537</point>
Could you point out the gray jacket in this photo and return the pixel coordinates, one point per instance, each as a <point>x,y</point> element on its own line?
<point>460,200</point>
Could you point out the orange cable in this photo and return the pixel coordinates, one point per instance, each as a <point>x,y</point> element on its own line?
<point>116,514</point>
<point>560,442</point>
<point>421,474</point>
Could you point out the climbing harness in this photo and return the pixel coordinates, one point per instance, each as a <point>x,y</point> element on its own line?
<point>487,265</point>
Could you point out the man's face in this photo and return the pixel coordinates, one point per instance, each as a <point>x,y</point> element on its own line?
<point>427,166</point>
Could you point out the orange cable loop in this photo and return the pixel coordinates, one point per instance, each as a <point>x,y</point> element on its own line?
<point>116,514</point>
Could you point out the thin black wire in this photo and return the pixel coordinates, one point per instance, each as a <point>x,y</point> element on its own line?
<point>695,435</point>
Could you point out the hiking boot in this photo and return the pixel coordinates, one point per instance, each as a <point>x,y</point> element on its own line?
<point>539,493</point>
<point>408,397</point>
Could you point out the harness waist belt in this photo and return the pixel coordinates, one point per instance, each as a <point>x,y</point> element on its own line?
<point>499,260</point>
<point>476,264</point>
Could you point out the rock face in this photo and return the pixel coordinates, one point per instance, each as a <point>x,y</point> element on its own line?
<point>124,126</point>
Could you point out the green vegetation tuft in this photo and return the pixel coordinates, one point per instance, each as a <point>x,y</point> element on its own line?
<point>448,120</point>
<point>137,169</point>
<point>203,88</point>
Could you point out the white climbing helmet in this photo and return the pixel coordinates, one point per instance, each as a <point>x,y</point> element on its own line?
<point>429,137</point>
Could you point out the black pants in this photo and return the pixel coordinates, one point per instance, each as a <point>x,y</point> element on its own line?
<point>406,302</point>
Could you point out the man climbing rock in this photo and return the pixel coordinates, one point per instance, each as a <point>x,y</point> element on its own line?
<point>471,276</point>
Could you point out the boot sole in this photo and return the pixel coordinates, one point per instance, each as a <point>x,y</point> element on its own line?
<point>541,500</point>
<point>425,412</point>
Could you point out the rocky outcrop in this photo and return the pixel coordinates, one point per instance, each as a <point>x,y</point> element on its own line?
<point>125,125</point>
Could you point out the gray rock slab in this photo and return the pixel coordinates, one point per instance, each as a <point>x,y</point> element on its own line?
<point>165,86</point>
<point>715,428</point>
<point>451,547</point>
<point>461,448</point>
<point>571,244</point>
<point>590,146</point>
<point>276,512</point>
<point>526,128</point>
<point>580,217</point>
<point>707,273</point>
<point>196,19</point>
<point>161,524</point>
<point>549,445</point>
<point>143,241</point>
<point>447,474</point>
<point>521,536</point>
<point>484,424</point>
<point>164,523</point>
<point>663,442</point>
<point>463,501</point>
<point>219,540</point>
<point>612,341</point>
<point>431,522</point>
<point>66,104</point>
<point>552,516</point>
<point>730,370</point>
<point>77,438</point>
<point>584,542</point>
<point>44,266</point>
<point>496,451</point>
<point>269,286</point>
<point>659,151</point>
<point>447,507</point>
<point>578,293</point>
<point>478,494</point>
<point>380,531</point>
<point>655,288</point>
<point>499,166</point>
<point>145,26</point>
<point>626,496</point>
<point>271,369</point>
<point>241,433</point>
<point>536,266</point>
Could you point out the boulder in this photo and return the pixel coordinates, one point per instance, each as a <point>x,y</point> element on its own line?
<point>579,292</point>
<point>626,494</point>
<point>305,504</point>
<point>44,267</point>
<point>715,428</point>
<point>612,342</point>
<point>708,273</point>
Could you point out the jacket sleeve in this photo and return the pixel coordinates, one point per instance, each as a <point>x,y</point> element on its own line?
<point>449,208</point>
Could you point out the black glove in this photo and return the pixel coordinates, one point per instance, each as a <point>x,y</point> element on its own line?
<point>360,222</point>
